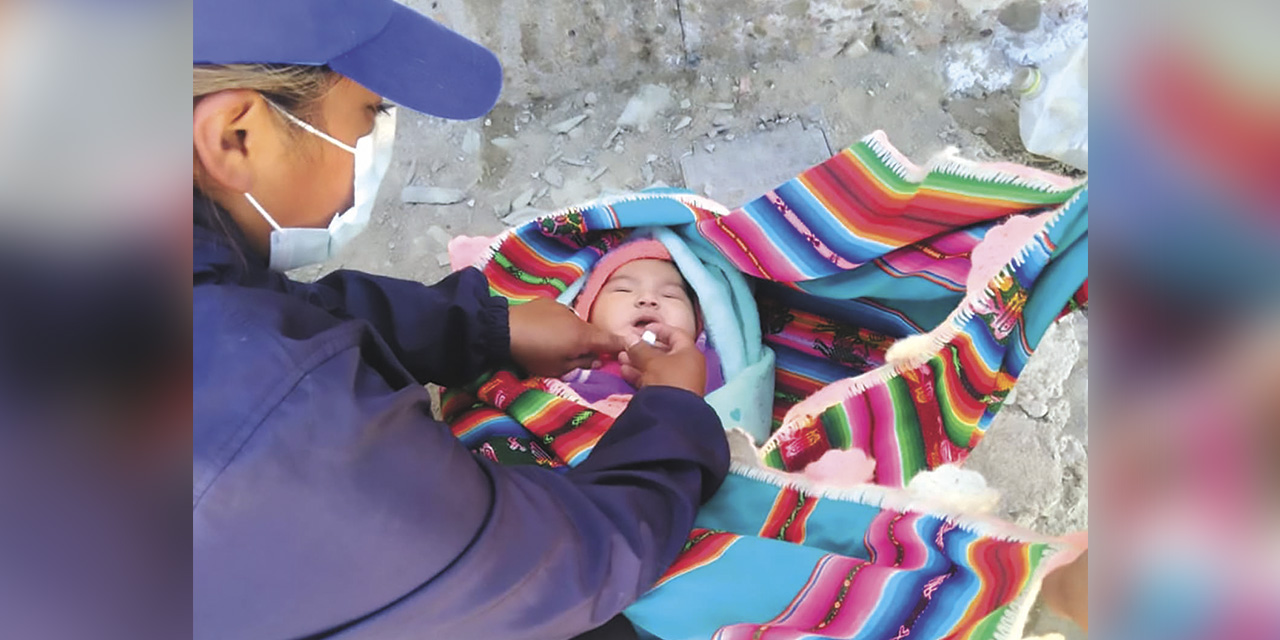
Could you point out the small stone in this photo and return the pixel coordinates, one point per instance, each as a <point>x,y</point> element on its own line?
<point>487,122</point>
<point>443,260</point>
<point>504,143</point>
<point>831,52</point>
<point>597,173</point>
<point>647,103</point>
<point>471,203</point>
<point>857,50</point>
<point>619,148</point>
<point>470,142</point>
<point>517,218</point>
<point>722,121</point>
<point>521,201</point>
<point>553,177</point>
<point>710,146</point>
<point>590,98</point>
<point>981,131</point>
<point>651,158</point>
<point>617,131</point>
<point>439,235</point>
<point>541,193</point>
<point>721,106</point>
<point>414,194</point>
<point>577,162</point>
<point>730,137</point>
<point>646,173</point>
<point>1021,15</point>
<point>684,122</point>
<point>686,103</point>
<point>566,126</point>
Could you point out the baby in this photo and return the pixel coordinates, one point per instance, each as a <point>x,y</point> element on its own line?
<point>633,287</point>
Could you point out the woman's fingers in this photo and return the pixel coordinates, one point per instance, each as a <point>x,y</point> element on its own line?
<point>672,337</point>
<point>631,374</point>
<point>599,341</point>
<point>640,354</point>
<point>675,362</point>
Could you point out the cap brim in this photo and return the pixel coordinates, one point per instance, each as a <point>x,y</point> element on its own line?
<point>418,63</point>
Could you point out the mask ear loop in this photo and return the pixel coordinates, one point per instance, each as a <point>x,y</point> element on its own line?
<point>310,129</point>
<point>272,221</point>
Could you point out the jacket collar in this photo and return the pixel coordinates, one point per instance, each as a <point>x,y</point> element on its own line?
<point>220,252</point>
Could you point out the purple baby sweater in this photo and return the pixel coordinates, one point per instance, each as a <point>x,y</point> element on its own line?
<point>595,385</point>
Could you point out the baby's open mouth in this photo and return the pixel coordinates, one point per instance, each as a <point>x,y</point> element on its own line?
<point>643,321</point>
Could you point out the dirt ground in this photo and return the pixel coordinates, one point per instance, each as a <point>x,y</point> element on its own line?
<point>609,96</point>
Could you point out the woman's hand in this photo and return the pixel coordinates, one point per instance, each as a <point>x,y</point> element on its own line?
<point>549,339</point>
<point>674,362</point>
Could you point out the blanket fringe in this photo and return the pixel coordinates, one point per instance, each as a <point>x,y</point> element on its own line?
<point>882,497</point>
<point>951,163</point>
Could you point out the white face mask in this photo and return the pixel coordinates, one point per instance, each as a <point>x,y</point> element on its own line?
<point>298,247</point>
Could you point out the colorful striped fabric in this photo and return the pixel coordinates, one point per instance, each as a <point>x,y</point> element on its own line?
<point>774,559</point>
<point>848,258</point>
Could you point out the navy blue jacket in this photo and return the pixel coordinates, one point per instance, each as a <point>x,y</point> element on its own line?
<point>326,501</point>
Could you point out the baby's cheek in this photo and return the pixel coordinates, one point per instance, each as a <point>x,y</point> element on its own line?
<point>689,321</point>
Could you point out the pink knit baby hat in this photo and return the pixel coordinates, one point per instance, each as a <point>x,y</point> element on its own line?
<point>644,249</point>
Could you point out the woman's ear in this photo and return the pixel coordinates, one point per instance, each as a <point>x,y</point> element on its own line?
<point>226,125</point>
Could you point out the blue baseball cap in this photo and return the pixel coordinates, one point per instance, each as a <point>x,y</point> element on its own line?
<point>385,46</point>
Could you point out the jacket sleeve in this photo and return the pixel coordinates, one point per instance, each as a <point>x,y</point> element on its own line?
<point>364,516</point>
<point>562,554</point>
<point>447,333</point>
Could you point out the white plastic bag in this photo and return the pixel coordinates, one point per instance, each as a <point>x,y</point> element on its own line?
<point>1054,116</point>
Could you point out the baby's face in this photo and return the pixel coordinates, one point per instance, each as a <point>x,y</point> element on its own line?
<point>640,293</point>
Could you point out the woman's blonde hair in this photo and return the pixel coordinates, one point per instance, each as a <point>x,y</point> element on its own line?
<point>297,88</point>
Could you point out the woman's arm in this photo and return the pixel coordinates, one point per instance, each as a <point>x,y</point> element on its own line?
<point>447,333</point>
<point>350,508</point>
